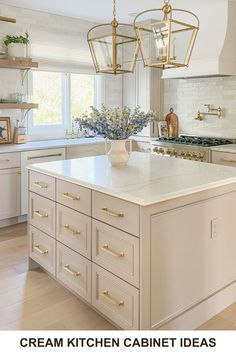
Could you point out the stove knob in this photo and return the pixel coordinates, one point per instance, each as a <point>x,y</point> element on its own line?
<point>156,150</point>
<point>161,151</point>
<point>172,152</point>
<point>189,155</point>
<point>183,154</point>
<point>201,156</point>
<point>169,152</point>
<point>175,153</point>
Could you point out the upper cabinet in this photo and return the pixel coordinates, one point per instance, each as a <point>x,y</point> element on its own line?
<point>144,88</point>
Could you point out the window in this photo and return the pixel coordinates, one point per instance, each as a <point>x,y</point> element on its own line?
<point>61,96</point>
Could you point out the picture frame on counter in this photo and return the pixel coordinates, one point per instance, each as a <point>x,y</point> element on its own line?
<point>5,130</point>
<point>162,128</point>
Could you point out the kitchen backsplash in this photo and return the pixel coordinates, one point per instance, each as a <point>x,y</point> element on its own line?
<point>187,96</point>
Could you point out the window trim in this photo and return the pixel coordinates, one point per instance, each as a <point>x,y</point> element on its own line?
<point>57,131</point>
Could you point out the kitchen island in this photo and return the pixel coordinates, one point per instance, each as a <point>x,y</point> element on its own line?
<point>150,245</point>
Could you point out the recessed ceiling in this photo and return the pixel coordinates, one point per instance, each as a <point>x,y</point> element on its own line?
<point>99,10</point>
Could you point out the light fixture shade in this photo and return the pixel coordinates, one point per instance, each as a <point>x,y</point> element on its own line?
<point>166,43</point>
<point>114,47</point>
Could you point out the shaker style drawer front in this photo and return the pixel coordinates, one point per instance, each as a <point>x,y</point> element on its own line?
<point>223,158</point>
<point>74,230</point>
<point>42,213</point>
<point>115,298</point>
<point>116,251</point>
<point>42,249</point>
<point>116,212</point>
<point>9,160</point>
<point>42,184</point>
<point>74,196</point>
<point>74,271</point>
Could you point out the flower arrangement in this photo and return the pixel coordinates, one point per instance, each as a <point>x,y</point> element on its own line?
<point>116,123</point>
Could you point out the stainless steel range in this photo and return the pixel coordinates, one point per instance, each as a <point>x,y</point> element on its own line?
<point>189,147</point>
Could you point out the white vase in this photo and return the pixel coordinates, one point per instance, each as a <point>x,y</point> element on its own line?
<point>118,154</point>
<point>16,50</point>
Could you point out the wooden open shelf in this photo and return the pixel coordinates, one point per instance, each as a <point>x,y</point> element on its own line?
<point>18,105</point>
<point>18,64</point>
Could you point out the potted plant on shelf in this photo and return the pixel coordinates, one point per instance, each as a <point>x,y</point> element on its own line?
<point>16,45</point>
<point>116,125</point>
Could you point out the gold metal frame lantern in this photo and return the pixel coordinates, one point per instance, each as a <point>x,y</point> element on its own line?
<point>114,46</point>
<point>166,43</point>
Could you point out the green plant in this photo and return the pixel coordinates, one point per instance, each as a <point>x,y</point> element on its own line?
<point>17,39</point>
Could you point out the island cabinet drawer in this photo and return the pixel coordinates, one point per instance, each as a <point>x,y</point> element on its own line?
<point>43,249</point>
<point>42,213</point>
<point>74,196</point>
<point>116,251</point>
<point>74,230</point>
<point>42,184</point>
<point>10,160</point>
<point>115,298</point>
<point>116,212</point>
<point>223,158</point>
<point>74,271</point>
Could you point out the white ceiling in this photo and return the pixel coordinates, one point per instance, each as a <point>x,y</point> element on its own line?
<point>99,10</point>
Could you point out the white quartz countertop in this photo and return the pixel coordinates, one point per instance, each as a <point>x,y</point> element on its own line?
<point>225,148</point>
<point>47,144</point>
<point>145,180</point>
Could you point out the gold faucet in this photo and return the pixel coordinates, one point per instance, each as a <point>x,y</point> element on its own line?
<point>199,117</point>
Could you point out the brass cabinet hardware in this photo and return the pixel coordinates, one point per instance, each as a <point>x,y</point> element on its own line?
<point>4,161</point>
<point>105,248</point>
<point>40,185</point>
<point>37,212</point>
<point>199,116</point>
<point>19,172</point>
<point>110,213</point>
<point>69,196</point>
<point>225,160</point>
<point>74,232</point>
<point>43,156</point>
<point>68,270</point>
<point>108,298</point>
<point>38,249</point>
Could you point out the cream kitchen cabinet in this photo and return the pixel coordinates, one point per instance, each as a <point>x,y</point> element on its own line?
<point>10,185</point>
<point>144,88</point>
<point>32,157</point>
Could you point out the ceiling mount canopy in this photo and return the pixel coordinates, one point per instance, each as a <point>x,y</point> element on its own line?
<point>113,46</point>
<point>166,36</point>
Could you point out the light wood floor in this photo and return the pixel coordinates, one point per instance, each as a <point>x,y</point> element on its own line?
<point>32,300</point>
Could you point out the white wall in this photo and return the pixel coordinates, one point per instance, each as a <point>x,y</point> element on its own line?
<point>187,96</point>
<point>59,44</point>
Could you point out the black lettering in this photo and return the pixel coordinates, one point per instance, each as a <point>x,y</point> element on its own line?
<point>204,343</point>
<point>90,340</point>
<point>187,342</point>
<point>212,342</point>
<point>23,340</point>
<point>127,342</point>
<point>32,342</point>
<point>70,342</point>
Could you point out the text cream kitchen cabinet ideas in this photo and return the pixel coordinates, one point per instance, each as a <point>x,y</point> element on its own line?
<point>142,253</point>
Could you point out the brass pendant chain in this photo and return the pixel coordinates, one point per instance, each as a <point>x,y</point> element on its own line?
<point>114,9</point>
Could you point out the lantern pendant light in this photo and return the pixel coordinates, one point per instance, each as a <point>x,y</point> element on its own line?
<point>166,42</point>
<point>114,46</point>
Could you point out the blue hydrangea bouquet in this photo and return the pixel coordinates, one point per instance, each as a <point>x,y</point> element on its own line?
<point>115,123</point>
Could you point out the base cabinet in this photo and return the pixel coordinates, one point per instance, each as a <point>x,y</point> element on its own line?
<point>10,193</point>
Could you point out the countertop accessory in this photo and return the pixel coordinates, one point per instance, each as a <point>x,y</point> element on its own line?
<point>5,130</point>
<point>166,43</point>
<point>172,123</point>
<point>162,128</point>
<point>117,154</point>
<point>114,46</point>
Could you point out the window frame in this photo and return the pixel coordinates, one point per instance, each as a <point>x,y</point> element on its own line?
<point>57,131</point>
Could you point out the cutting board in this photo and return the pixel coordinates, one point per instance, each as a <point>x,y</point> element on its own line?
<point>172,123</point>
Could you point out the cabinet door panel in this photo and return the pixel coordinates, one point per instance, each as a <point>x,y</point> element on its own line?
<point>10,193</point>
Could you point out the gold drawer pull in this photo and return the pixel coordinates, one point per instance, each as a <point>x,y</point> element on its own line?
<point>231,161</point>
<point>108,298</point>
<point>105,248</point>
<point>40,185</point>
<point>38,249</point>
<point>4,161</point>
<point>74,232</point>
<point>67,268</point>
<point>71,197</point>
<point>43,156</point>
<point>37,212</point>
<point>110,213</point>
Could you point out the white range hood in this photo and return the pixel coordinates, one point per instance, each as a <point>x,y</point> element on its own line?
<point>214,53</point>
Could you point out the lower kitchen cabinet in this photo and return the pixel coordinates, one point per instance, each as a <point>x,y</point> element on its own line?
<point>10,193</point>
